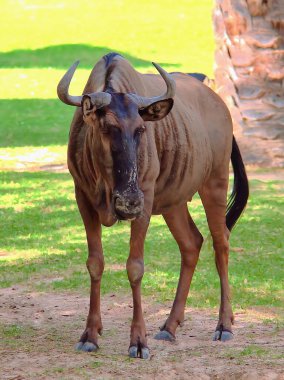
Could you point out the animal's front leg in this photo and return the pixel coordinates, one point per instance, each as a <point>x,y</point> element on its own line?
<point>95,264</point>
<point>135,270</point>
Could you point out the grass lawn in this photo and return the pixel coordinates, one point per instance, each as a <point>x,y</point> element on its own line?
<point>48,38</point>
<point>43,245</point>
<point>51,35</point>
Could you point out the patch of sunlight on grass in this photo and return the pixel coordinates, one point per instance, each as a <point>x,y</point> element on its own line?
<point>42,83</point>
<point>37,83</point>
<point>160,31</point>
<point>25,255</point>
<point>28,158</point>
<point>180,36</point>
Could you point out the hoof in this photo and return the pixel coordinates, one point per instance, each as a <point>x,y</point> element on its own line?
<point>87,347</point>
<point>135,352</point>
<point>223,335</point>
<point>165,335</point>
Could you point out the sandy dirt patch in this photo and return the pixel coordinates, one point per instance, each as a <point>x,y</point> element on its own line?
<point>40,330</point>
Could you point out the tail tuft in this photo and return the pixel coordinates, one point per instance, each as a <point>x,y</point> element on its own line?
<point>238,199</point>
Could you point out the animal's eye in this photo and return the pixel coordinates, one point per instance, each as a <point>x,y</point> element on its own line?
<point>114,148</point>
<point>115,131</point>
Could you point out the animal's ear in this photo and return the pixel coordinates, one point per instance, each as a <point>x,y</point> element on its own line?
<point>87,106</point>
<point>156,111</point>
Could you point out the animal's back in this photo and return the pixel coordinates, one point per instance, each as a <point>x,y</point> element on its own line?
<point>191,142</point>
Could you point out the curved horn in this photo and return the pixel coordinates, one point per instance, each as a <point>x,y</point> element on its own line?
<point>98,99</point>
<point>143,102</point>
<point>63,88</point>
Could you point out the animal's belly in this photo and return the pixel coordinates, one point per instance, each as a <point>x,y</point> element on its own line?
<point>182,173</point>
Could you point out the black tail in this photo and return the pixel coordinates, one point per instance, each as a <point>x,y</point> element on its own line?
<point>238,199</point>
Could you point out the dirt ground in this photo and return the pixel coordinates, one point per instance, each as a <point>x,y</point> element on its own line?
<point>51,323</point>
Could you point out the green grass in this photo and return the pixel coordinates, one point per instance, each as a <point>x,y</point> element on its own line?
<point>43,245</point>
<point>12,331</point>
<point>46,39</point>
<point>253,351</point>
<point>49,35</point>
<point>39,41</point>
<point>15,335</point>
<point>34,123</point>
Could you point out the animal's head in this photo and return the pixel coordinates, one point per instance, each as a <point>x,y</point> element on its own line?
<point>120,119</point>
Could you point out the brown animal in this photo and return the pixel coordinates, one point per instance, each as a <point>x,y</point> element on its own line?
<point>132,154</point>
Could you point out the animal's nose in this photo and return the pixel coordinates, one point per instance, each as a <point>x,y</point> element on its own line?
<point>128,202</point>
<point>128,206</point>
<point>133,202</point>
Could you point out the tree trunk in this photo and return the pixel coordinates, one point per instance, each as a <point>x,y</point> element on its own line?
<point>249,74</point>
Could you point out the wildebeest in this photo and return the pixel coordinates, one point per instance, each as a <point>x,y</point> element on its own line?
<point>133,153</point>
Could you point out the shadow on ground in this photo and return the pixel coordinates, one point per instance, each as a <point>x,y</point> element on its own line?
<point>62,56</point>
<point>34,122</point>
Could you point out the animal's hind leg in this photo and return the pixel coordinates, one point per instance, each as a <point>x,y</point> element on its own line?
<point>189,240</point>
<point>214,198</point>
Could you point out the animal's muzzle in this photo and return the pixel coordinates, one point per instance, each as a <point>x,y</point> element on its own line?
<point>128,206</point>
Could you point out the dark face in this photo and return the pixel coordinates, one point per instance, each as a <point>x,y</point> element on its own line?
<point>124,127</point>
<point>122,124</point>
